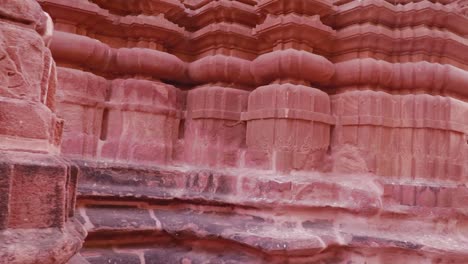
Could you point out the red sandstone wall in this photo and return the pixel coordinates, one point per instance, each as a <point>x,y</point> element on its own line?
<point>266,131</point>
<point>37,185</point>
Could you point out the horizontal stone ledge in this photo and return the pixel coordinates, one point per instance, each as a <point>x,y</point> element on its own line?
<point>402,123</point>
<point>174,8</point>
<point>96,55</point>
<point>292,64</point>
<point>161,65</point>
<point>260,189</point>
<point>145,24</point>
<point>81,50</point>
<point>265,231</point>
<point>88,14</point>
<point>395,15</point>
<point>408,76</point>
<point>162,29</point>
<point>186,14</point>
<point>392,42</point>
<point>283,113</point>
<point>172,252</point>
<point>234,228</point>
<point>214,114</point>
<point>400,111</point>
<point>286,64</point>
<point>220,68</point>
<point>153,183</point>
<point>306,7</point>
<point>309,29</point>
<point>124,107</point>
<point>231,11</point>
<point>288,113</point>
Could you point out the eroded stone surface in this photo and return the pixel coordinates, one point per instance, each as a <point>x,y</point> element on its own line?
<point>37,185</point>
<point>249,131</point>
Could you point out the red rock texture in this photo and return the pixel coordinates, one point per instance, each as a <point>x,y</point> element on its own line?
<point>246,131</point>
<point>37,185</point>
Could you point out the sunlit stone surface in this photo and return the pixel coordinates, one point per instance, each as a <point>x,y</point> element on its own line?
<point>268,131</point>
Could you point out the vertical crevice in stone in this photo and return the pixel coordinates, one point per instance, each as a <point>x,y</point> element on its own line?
<point>181,131</point>
<point>104,124</point>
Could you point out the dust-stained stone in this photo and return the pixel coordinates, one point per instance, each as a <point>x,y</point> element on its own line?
<point>119,217</point>
<point>268,131</point>
<point>115,258</point>
<point>37,186</point>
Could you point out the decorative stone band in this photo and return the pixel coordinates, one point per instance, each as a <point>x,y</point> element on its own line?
<point>283,113</point>
<point>169,8</point>
<point>393,16</point>
<point>305,29</point>
<point>399,45</point>
<point>377,37</point>
<point>221,68</point>
<point>133,107</point>
<point>288,113</point>
<point>165,14</point>
<point>150,109</point>
<point>215,11</point>
<point>306,7</point>
<point>410,76</point>
<point>216,114</point>
<point>84,15</point>
<point>363,120</point>
<point>96,55</point>
<point>400,111</point>
<point>292,64</point>
<point>359,198</point>
<point>282,64</point>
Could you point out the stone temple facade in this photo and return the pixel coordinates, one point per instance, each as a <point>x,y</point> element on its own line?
<point>234,131</point>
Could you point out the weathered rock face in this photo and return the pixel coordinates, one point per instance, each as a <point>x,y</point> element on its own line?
<point>37,186</point>
<point>248,131</point>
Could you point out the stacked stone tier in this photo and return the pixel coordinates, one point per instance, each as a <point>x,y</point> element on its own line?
<point>318,129</point>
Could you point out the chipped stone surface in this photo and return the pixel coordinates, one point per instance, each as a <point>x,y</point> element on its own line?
<point>37,185</point>
<point>244,131</point>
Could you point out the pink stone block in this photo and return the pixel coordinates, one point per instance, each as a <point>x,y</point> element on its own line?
<point>418,129</point>
<point>214,134</point>
<point>139,123</point>
<point>287,119</point>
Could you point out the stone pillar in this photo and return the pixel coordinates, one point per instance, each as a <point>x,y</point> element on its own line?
<point>214,132</point>
<point>288,119</point>
<point>37,186</point>
<point>214,135</point>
